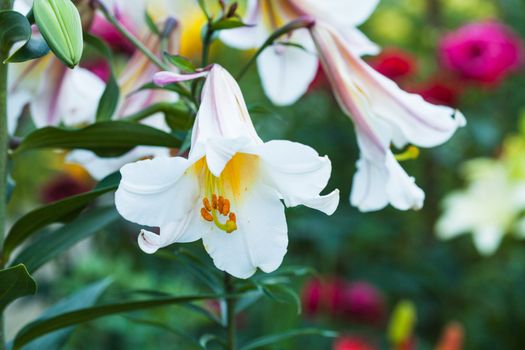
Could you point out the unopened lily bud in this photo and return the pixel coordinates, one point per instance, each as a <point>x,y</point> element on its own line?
<point>402,323</point>
<point>60,25</point>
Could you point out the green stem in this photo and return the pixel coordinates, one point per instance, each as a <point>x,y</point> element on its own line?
<point>127,34</point>
<point>206,42</point>
<point>4,140</point>
<point>303,22</point>
<point>229,289</point>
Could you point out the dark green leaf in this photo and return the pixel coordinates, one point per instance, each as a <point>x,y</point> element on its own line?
<point>83,298</point>
<point>38,328</point>
<point>228,23</point>
<point>189,343</point>
<point>15,28</point>
<point>59,211</point>
<point>15,282</point>
<point>180,62</point>
<point>109,100</point>
<point>280,337</point>
<point>109,138</point>
<point>179,119</point>
<point>32,49</point>
<point>210,338</point>
<point>282,294</point>
<point>202,5</point>
<point>51,244</point>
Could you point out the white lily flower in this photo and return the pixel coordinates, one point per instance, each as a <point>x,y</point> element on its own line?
<point>55,94</point>
<point>383,114</point>
<point>287,71</point>
<point>493,203</point>
<point>228,192</point>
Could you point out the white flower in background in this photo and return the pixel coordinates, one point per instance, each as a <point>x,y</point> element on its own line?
<point>287,71</point>
<point>55,94</point>
<point>383,114</point>
<point>491,206</point>
<point>228,192</point>
<point>137,72</point>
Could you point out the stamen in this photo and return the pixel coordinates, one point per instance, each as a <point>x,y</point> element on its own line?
<point>226,207</point>
<point>412,152</point>
<point>206,215</point>
<point>206,203</point>
<point>214,201</point>
<point>220,204</point>
<point>233,217</point>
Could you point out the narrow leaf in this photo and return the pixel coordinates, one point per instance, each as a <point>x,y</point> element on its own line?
<point>51,244</point>
<point>280,337</point>
<point>109,100</point>
<point>84,298</point>
<point>228,23</point>
<point>15,282</point>
<point>108,138</point>
<point>180,62</point>
<point>32,49</point>
<point>40,327</point>
<point>59,211</point>
<point>282,294</point>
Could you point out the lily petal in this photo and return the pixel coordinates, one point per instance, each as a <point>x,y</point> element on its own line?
<point>261,239</point>
<point>287,71</point>
<point>299,174</point>
<point>157,192</point>
<point>340,13</point>
<point>247,37</point>
<point>487,239</point>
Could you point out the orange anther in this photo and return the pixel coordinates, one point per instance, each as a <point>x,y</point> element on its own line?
<point>232,217</point>
<point>206,215</point>
<point>220,204</point>
<point>206,203</point>
<point>226,207</point>
<point>214,201</point>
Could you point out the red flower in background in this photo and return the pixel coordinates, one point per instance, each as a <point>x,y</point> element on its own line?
<point>312,297</point>
<point>394,64</point>
<point>61,187</point>
<point>100,68</point>
<point>352,343</point>
<point>485,52</point>
<point>439,93</point>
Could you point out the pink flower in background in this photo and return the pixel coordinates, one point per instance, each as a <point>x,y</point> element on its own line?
<point>61,187</point>
<point>364,302</point>
<point>98,67</point>
<point>312,297</point>
<point>334,293</point>
<point>394,64</point>
<point>485,52</point>
<point>103,29</point>
<point>352,343</point>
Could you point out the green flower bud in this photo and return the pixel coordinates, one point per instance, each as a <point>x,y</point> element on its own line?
<point>60,25</point>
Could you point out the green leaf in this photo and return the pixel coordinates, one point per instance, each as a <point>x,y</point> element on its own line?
<point>32,49</point>
<point>86,297</point>
<point>15,28</point>
<point>60,211</point>
<point>282,294</point>
<point>108,138</point>
<point>51,244</point>
<point>15,282</point>
<point>228,23</point>
<point>180,62</point>
<point>60,25</point>
<point>40,327</point>
<point>280,337</point>
<point>151,24</point>
<point>109,100</point>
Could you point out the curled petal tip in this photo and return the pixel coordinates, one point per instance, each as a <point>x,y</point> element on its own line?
<point>164,78</point>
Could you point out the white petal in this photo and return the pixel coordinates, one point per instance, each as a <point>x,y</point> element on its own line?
<point>487,239</point>
<point>359,43</point>
<point>377,184</point>
<point>261,238</point>
<point>299,174</point>
<point>223,112</point>
<point>287,71</point>
<point>100,167</point>
<point>339,12</point>
<point>247,37</point>
<point>16,103</point>
<point>157,192</point>
<point>220,150</point>
<point>70,96</point>
<point>188,229</point>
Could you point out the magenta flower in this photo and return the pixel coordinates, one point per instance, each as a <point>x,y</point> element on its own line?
<point>364,303</point>
<point>484,52</point>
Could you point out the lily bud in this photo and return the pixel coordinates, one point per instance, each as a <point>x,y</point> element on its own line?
<point>61,26</point>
